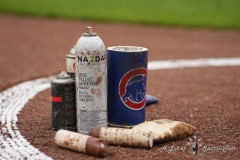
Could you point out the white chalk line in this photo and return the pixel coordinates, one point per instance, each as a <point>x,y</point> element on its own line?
<point>193,63</point>
<point>14,146</point>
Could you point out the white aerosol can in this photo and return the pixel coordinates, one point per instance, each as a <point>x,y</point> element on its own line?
<point>91,82</point>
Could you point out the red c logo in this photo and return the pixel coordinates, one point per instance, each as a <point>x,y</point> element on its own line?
<point>122,88</point>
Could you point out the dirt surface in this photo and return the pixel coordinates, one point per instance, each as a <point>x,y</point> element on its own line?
<point>207,98</point>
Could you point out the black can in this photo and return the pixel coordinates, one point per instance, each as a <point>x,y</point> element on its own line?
<point>63,92</point>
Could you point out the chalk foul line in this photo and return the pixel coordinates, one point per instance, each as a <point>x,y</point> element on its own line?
<point>192,63</point>
<point>14,146</point>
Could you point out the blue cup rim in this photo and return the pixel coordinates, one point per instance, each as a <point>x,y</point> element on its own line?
<point>127,49</point>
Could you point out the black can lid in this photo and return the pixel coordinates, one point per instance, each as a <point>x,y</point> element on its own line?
<point>89,32</point>
<point>63,75</point>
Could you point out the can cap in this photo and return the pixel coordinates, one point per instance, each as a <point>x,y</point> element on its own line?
<point>89,32</point>
<point>63,75</point>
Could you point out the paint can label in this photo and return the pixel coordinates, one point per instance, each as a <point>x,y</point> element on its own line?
<point>63,106</point>
<point>91,90</point>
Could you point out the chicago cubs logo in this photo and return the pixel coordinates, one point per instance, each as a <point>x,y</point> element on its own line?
<point>132,89</point>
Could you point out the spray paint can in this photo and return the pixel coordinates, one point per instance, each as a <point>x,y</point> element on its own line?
<point>127,76</point>
<point>70,63</point>
<point>63,94</point>
<point>91,82</point>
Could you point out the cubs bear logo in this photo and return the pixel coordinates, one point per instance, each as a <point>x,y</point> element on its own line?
<point>132,89</point>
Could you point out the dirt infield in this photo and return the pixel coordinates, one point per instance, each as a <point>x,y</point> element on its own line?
<point>208,98</point>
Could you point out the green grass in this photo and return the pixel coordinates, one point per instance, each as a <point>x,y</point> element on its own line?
<point>186,13</point>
